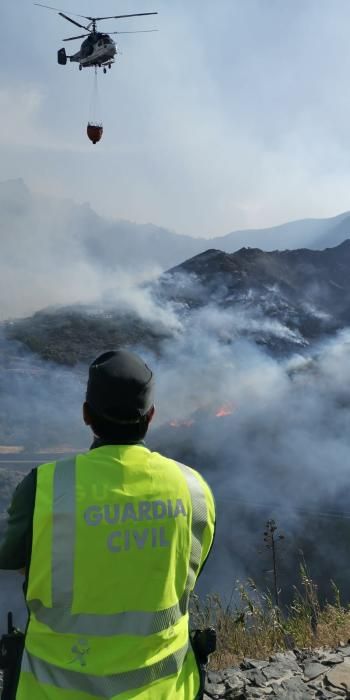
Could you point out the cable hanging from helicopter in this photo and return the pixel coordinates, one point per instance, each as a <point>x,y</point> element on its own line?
<point>98,50</point>
<point>94,128</point>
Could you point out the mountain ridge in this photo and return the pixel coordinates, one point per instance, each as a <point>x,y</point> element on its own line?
<point>283,300</point>
<point>41,218</point>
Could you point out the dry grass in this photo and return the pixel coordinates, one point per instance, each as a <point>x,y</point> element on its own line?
<point>10,449</point>
<point>255,628</point>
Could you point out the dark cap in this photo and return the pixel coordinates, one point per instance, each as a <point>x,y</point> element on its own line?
<point>120,387</point>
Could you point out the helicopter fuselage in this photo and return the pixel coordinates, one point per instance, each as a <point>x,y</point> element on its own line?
<point>97,50</point>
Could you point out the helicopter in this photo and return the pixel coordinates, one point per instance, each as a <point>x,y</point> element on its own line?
<point>99,49</point>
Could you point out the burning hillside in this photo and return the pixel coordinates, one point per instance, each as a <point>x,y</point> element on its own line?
<point>283,301</point>
<point>268,429</point>
<point>203,414</point>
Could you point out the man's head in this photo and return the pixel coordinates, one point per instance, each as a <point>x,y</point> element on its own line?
<point>119,397</point>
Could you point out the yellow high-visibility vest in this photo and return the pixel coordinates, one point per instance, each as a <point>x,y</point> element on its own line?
<point>119,536</point>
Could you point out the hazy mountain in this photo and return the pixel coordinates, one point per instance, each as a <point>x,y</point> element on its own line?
<point>283,300</point>
<point>58,252</point>
<point>308,233</point>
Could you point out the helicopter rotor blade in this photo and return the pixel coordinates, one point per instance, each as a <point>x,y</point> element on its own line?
<point>137,31</point>
<point>72,38</point>
<point>138,14</point>
<point>73,21</point>
<point>58,9</point>
<point>91,19</point>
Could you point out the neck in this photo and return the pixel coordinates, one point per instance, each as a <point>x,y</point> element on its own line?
<point>101,442</point>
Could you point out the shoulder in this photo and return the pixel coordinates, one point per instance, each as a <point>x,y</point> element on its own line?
<point>25,490</point>
<point>23,499</point>
<point>64,461</point>
<point>195,481</point>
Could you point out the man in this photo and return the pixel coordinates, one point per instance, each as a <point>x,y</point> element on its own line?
<point>112,542</point>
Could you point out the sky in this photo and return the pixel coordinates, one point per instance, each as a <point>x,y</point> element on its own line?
<point>234,115</point>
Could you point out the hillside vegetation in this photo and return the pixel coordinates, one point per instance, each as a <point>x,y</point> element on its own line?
<point>71,335</point>
<point>254,627</point>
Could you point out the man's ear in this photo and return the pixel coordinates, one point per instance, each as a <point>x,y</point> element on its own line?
<point>150,414</point>
<point>86,413</point>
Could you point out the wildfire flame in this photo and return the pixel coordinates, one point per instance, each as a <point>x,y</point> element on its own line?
<point>204,413</point>
<point>225,410</point>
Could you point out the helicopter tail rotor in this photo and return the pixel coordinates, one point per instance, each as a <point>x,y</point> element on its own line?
<point>62,57</point>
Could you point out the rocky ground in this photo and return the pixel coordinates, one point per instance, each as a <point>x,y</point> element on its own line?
<point>294,675</point>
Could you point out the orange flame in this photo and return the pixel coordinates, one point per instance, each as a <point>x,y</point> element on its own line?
<point>225,410</point>
<point>204,413</point>
<point>181,423</point>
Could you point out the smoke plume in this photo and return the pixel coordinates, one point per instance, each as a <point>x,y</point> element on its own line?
<point>270,434</point>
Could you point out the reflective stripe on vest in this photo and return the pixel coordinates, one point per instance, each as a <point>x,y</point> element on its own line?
<point>199,523</point>
<point>63,534</point>
<point>102,686</point>
<point>135,623</point>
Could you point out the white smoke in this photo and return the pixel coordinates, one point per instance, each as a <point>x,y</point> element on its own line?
<point>282,452</point>
<point>57,253</point>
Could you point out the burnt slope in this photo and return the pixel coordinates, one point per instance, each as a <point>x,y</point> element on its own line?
<point>306,291</point>
<point>286,299</point>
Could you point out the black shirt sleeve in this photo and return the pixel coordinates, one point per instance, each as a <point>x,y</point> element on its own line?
<point>15,547</point>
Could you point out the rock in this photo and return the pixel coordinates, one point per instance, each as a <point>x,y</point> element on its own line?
<point>252,663</point>
<point>313,670</point>
<point>255,676</point>
<point>215,690</point>
<point>236,695</point>
<point>331,659</point>
<point>340,676</point>
<point>318,685</point>
<point>283,657</point>
<point>318,674</point>
<point>280,671</point>
<point>215,676</point>
<point>235,683</point>
<point>258,693</point>
<point>233,671</point>
<point>295,688</point>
